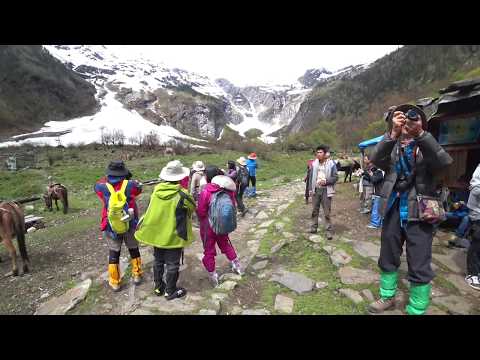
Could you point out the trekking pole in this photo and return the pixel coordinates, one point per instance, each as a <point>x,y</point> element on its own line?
<point>151,182</point>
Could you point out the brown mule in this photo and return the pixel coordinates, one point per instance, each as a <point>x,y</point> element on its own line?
<point>12,223</point>
<point>56,192</point>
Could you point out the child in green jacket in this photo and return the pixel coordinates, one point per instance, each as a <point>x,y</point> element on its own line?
<point>167,226</point>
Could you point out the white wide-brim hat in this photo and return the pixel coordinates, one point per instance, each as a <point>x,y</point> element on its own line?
<point>174,171</point>
<point>224,182</point>
<point>242,161</point>
<point>198,166</point>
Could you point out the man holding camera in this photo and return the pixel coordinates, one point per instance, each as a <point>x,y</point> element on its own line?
<point>410,157</point>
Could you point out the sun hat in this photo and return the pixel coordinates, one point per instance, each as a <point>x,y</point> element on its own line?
<point>117,168</point>
<point>252,156</point>
<point>174,171</point>
<point>198,165</point>
<point>242,161</point>
<point>224,182</point>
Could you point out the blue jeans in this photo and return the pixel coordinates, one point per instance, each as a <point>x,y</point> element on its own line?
<point>462,228</point>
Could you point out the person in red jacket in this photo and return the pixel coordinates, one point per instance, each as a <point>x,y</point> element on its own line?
<point>117,173</point>
<point>209,238</point>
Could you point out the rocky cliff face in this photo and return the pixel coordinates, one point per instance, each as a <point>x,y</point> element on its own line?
<point>35,88</point>
<point>272,106</point>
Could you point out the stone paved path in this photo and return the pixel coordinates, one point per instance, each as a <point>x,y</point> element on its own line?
<point>262,242</point>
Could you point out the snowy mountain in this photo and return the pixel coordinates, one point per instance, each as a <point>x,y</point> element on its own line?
<point>138,96</point>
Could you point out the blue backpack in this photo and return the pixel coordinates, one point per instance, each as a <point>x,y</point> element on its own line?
<point>222,214</point>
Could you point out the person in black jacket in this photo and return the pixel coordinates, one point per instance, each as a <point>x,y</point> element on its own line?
<point>372,179</point>
<point>410,157</point>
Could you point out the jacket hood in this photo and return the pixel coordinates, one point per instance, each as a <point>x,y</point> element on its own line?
<point>166,190</point>
<point>211,188</point>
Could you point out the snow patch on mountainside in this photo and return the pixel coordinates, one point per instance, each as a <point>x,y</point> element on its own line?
<point>88,129</point>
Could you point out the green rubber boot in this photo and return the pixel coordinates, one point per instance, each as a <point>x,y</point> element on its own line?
<point>419,299</point>
<point>388,284</point>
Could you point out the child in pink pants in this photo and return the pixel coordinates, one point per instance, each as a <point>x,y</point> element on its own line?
<point>209,238</point>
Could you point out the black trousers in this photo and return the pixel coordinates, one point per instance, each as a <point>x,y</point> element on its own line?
<point>170,258</point>
<point>419,237</point>
<point>240,192</point>
<point>473,254</point>
<point>252,180</point>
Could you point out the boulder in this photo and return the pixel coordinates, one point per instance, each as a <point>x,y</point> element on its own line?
<point>321,284</point>
<point>265,224</point>
<point>62,304</point>
<point>262,215</point>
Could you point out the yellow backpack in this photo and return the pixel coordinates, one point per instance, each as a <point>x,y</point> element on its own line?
<point>116,211</point>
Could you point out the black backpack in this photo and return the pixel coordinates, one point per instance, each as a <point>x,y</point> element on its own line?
<point>242,176</point>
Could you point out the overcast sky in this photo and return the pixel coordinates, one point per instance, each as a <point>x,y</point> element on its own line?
<point>257,64</point>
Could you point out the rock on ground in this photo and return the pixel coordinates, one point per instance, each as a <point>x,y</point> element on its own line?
<point>367,249</point>
<point>321,285</point>
<point>340,257</point>
<point>159,303</point>
<point>329,249</point>
<point>266,224</point>
<point>456,305</point>
<point>260,265</point>
<point>283,304</point>
<point>294,281</point>
<point>279,226</point>
<point>230,276</point>
<point>62,304</point>
<point>367,294</point>
<point>353,276</point>
<point>207,312</point>
<point>315,238</point>
<point>255,312</point>
<point>455,260</point>
<point>227,285</point>
<point>352,295</point>
<point>262,215</point>
<point>275,248</point>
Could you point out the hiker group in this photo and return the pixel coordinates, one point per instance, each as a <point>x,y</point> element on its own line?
<point>399,189</point>
<point>214,195</point>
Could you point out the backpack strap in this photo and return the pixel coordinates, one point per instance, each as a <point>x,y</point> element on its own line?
<point>122,189</point>
<point>186,197</point>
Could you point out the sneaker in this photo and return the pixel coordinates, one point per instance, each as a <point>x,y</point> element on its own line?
<point>237,267</point>
<point>313,231</point>
<point>160,290</point>
<point>473,281</point>
<point>370,226</point>
<point>381,305</point>
<point>329,235</point>
<point>214,278</point>
<point>178,293</point>
<point>364,211</point>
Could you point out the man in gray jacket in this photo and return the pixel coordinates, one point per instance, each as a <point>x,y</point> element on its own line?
<point>322,188</point>
<point>473,255</point>
<point>410,157</point>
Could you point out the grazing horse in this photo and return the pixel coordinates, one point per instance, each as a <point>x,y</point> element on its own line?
<point>348,169</point>
<point>56,192</point>
<point>12,223</point>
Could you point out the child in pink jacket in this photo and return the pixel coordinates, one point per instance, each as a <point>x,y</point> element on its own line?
<point>209,238</point>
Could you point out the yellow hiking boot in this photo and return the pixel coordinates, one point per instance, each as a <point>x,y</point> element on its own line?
<point>114,276</point>
<point>137,270</point>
